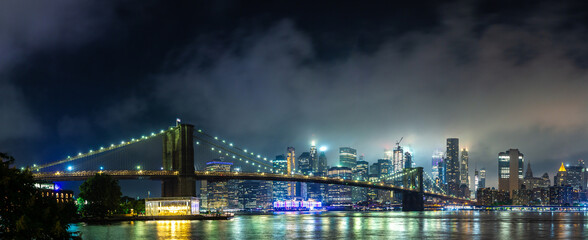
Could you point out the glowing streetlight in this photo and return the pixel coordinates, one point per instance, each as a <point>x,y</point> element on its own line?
<point>69,168</point>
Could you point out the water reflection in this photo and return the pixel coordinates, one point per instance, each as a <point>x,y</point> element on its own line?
<point>349,225</point>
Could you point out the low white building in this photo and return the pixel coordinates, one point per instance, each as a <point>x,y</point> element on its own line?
<point>172,206</point>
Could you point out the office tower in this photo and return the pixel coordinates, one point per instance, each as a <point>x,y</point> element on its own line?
<point>397,159</point>
<point>575,177</point>
<point>291,169</point>
<point>339,195</point>
<point>217,194</point>
<point>463,170</point>
<point>530,182</point>
<point>388,154</point>
<point>482,182</point>
<point>510,170</point>
<point>314,163</point>
<point>385,167</point>
<point>322,159</point>
<point>280,188</point>
<point>360,172</point>
<point>255,195</point>
<point>561,178</point>
<point>452,166</point>
<point>435,161</point>
<point>347,157</point>
<point>408,160</point>
<point>304,165</point>
<point>375,169</point>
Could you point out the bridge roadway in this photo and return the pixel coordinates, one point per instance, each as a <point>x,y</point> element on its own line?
<point>205,175</point>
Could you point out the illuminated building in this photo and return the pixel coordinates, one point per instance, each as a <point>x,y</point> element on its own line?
<point>51,190</point>
<point>171,206</point>
<point>397,159</point>
<point>476,180</point>
<point>530,182</point>
<point>560,195</point>
<point>314,162</point>
<point>280,188</point>
<point>452,166</point>
<point>217,192</point>
<point>347,157</point>
<point>464,170</point>
<point>375,169</point>
<point>255,195</point>
<point>372,193</point>
<point>575,177</point>
<point>304,165</point>
<point>388,154</point>
<point>322,164</point>
<point>435,161</point>
<point>339,195</point>
<point>360,172</point>
<point>408,162</point>
<point>482,182</point>
<point>291,168</point>
<point>385,167</point>
<point>293,205</point>
<point>510,170</point>
<point>560,179</point>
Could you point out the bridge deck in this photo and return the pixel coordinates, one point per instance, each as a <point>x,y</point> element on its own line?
<point>203,175</point>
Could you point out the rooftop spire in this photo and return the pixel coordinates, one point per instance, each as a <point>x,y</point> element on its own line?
<point>529,173</point>
<point>562,168</point>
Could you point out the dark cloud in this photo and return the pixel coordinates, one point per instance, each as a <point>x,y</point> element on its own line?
<point>495,75</point>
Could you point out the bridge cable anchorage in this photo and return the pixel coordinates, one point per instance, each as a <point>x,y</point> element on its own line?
<point>100,150</point>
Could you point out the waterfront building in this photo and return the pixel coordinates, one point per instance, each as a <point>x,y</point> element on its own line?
<point>482,182</point>
<point>255,195</point>
<point>280,188</point>
<point>560,195</point>
<point>510,170</point>
<point>339,195</point>
<point>217,192</point>
<point>296,205</point>
<point>51,190</point>
<point>463,167</point>
<point>491,196</point>
<point>172,206</point>
<point>347,157</point>
<point>452,166</point>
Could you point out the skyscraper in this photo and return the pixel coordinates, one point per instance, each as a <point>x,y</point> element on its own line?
<point>314,163</point>
<point>397,159</point>
<point>304,165</point>
<point>360,172</point>
<point>347,157</point>
<point>408,160</point>
<point>482,182</point>
<point>476,181</point>
<point>463,170</point>
<point>217,193</point>
<point>291,159</point>
<point>385,167</point>
<point>436,159</point>
<point>561,178</point>
<point>452,166</point>
<point>339,195</point>
<point>510,170</point>
<point>322,159</point>
<point>280,188</point>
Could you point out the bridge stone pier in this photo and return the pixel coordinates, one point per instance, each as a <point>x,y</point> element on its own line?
<point>413,201</point>
<point>178,155</point>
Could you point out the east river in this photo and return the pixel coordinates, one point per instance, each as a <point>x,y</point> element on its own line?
<point>356,225</point>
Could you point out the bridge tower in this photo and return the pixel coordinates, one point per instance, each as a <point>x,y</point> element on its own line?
<point>178,155</point>
<point>413,201</point>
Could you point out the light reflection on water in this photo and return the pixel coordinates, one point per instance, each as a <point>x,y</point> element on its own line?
<point>350,225</point>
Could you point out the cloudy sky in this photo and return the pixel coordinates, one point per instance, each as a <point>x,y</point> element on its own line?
<point>268,75</point>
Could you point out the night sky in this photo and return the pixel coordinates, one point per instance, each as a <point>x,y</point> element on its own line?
<point>268,75</point>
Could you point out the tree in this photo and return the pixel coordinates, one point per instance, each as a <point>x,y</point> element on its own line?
<point>102,194</point>
<point>24,212</point>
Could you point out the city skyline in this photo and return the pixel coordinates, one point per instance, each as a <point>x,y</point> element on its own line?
<point>284,74</point>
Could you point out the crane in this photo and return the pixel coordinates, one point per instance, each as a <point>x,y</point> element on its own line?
<point>398,143</point>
